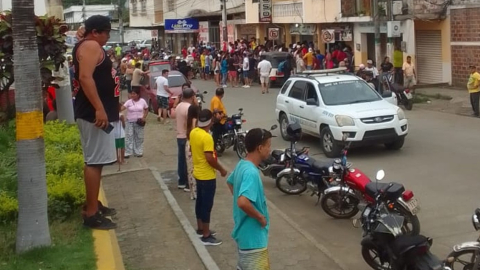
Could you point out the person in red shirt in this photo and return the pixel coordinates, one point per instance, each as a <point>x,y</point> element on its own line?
<point>50,97</point>
<point>184,52</point>
<point>304,49</point>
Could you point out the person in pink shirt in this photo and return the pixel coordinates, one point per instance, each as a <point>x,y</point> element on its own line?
<point>137,110</point>
<point>181,111</point>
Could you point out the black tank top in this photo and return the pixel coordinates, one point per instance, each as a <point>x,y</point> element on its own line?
<point>108,87</point>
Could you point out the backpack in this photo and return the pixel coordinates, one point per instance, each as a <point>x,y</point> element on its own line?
<point>281,66</point>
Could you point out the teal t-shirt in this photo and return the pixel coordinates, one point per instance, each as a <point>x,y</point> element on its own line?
<point>247,231</point>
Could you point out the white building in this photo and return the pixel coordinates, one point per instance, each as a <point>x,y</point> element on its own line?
<point>40,7</point>
<point>74,14</point>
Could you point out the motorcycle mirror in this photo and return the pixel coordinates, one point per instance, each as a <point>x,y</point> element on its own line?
<point>273,127</point>
<point>380,175</point>
<point>356,223</point>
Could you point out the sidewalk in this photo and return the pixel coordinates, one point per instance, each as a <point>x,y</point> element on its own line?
<point>459,104</point>
<point>147,222</point>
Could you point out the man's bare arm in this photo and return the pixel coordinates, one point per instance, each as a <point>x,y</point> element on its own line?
<point>88,56</point>
<point>214,163</point>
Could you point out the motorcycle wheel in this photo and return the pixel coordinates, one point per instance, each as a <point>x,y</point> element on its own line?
<point>371,256</point>
<point>219,148</point>
<point>466,264</point>
<point>240,147</point>
<point>409,104</point>
<point>411,224</point>
<point>297,179</point>
<point>344,205</point>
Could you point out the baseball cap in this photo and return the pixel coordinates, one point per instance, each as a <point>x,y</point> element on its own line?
<point>369,61</point>
<point>256,137</point>
<point>204,118</point>
<point>99,23</point>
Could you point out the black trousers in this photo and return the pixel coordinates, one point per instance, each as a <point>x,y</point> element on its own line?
<point>474,100</point>
<point>399,75</point>
<point>205,197</point>
<point>217,132</point>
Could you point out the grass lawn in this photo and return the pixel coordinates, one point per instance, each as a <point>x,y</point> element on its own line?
<point>72,249</point>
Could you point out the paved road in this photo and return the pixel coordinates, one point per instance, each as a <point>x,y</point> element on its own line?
<point>439,162</point>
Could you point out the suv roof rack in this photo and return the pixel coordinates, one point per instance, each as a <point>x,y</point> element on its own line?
<point>310,73</point>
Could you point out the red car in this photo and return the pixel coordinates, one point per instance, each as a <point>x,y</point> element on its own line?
<point>175,81</point>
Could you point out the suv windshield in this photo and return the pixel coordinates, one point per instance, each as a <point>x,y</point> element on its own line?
<point>347,92</point>
<point>176,80</point>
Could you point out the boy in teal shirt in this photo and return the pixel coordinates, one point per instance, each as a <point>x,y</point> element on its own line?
<point>250,213</point>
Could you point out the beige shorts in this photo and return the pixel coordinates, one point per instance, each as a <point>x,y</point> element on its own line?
<point>264,79</point>
<point>409,81</point>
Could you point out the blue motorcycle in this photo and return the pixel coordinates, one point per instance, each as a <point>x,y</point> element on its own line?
<point>303,172</point>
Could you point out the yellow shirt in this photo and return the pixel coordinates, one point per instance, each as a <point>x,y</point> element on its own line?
<point>217,104</point>
<point>473,84</point>
<point>309,58</point>
<point>201,142</point>
<point>397,58</point>
<point>202,60</point>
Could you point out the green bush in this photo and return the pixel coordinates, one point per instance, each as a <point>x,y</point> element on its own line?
<point>64,165</point>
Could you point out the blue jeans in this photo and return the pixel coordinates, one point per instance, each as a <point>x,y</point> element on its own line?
<point>182,163</point>
<point>205,197</point>
<point>224,78</point>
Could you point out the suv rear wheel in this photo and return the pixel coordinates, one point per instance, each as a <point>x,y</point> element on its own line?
<point>283,126</point>
<point>329,146</point>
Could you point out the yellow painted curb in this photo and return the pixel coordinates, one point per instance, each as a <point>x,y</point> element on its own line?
<point>106,246</point>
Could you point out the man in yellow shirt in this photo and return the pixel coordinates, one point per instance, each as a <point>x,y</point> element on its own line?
<point>309,59</point>
<point>473,87</point>
<point>219,116</point>
<point>204,165</point>
<point>397,64</point>
<point>202,64</point>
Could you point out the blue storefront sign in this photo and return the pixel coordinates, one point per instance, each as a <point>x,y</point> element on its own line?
<point>187,25</point>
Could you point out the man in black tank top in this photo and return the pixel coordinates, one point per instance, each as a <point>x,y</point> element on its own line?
<point>96,107</point>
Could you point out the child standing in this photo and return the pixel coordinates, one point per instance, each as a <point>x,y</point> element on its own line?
<point>119,129</point>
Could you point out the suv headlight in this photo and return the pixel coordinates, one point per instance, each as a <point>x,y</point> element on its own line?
<point>343,120</point>
<point>401,114</point>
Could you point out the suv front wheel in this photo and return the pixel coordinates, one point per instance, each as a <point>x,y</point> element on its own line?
<point>330,147</point>
<point>283,126</point>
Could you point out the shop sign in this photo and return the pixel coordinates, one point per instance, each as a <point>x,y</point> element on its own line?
<point>347,35</point>
<point>187,25</point>
<point>303,29</point>
<point>369,27</point>
<point>328,36</point>
<point>266,11</point>
<point>394,29</point>
<point>273,33</point>
<point>203,34</point>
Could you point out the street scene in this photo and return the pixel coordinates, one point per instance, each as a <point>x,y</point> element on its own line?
<point>250,136</point>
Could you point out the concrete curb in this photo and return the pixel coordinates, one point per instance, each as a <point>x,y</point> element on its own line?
<point>125,171</point>
<point>202,251</point>
<point>106,245</point>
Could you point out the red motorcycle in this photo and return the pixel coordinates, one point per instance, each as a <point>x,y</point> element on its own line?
<point>341,201</point>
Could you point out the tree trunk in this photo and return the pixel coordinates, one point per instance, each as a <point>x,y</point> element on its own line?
<point>32,229</point>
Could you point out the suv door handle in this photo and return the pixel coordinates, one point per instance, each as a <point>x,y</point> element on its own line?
<point>301,106</point>
<point>286,101</point>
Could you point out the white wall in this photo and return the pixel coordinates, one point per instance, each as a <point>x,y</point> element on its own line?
<point>183,7</point>
<point>146,18</point>
<point>40,8</point>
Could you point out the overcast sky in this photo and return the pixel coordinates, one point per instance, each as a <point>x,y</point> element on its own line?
<point>39,6</point>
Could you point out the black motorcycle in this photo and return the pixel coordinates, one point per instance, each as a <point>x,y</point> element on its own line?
<point>385,246</point>
<point>404,95</point>
<point>233,135</point>
<point>200,99</point>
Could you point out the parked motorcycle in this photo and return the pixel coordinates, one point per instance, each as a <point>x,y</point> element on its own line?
<point>385,244</point>
<point>279,160</point>
<point>233,135</point>
<point>302,170</point>
<point>341,201</point>
<point>469,250</point>
<point>404,96</point>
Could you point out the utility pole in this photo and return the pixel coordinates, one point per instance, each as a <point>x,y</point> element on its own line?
<point>63,94</point>
<point>376,17</point>
<point>120,21</point>
<point>389,11</point>
<point>84,11</point>
<point>224,22</point>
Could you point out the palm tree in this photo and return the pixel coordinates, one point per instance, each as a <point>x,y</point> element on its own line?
<point>32,230</point>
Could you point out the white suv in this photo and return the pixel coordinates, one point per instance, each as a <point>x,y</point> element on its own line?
<point>329,104</point>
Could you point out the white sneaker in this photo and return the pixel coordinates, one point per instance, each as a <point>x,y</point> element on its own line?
<point>224,85</point>
<point>247,86</point>
<point>186,189</point>
<point>244,86</point>
<point>181,186</point>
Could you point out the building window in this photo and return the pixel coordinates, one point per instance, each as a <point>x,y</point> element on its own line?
<point>134,6</point>
<point>288,10</point>
<point>143,6</point>
<point>171,5</point>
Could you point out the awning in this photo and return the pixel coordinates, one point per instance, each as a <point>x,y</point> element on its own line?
<point>230,11</point>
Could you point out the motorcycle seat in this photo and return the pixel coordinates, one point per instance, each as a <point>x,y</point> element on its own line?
<point>277,154</point>
<point>320,167</point>
<point>404,243</point>
<point>395,191</point>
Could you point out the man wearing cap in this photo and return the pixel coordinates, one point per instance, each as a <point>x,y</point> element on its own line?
<point>205,164</point>
<point>473,87</point>
<point>250,213</point>
<point>96,107</point>
<point>371,68</point>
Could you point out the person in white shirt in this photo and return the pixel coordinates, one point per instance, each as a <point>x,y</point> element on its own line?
<point>190,49</point>
<point>264,68</point>
<point>163,93</point>
<point>371,68</point>
<point>246,68</point>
